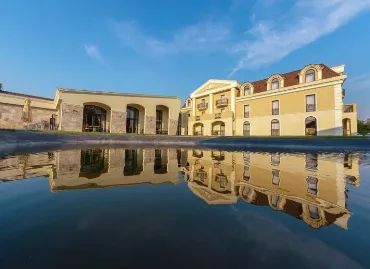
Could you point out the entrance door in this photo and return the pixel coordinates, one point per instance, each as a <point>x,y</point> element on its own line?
<point>132,121</point>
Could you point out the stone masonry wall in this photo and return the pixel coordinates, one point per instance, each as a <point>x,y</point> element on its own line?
<point>118,122</point>
<point>71,118</point>
<point>11,116</point>
<point>150,125</point>
<point>173,127</point>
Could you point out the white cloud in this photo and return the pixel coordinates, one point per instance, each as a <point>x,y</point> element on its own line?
<point>197,37</point>
<point>304,23</point>
<point>93,52</point>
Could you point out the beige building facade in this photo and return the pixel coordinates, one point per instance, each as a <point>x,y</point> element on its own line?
<point>304,102</point>
<point>92,111</point>
<point>310,187</point>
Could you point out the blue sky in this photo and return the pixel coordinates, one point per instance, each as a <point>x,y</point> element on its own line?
<point>172,47</point>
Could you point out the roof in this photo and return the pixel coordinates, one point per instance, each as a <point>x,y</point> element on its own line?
<point>114,93</point>
<point>26,95</point>
<point>291,79</point>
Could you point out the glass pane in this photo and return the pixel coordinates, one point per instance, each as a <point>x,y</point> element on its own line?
<point>310,99</point>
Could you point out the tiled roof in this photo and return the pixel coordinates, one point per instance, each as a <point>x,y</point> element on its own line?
<point>26,95</point>
<point>292,78</point>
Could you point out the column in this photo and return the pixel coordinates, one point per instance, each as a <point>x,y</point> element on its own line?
<point>211,103</point>
<point>193,108</point>
<point>233,100</point>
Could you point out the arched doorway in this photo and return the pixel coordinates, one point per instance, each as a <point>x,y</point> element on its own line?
<point>94,119</point>
<point>161,121</point>
<point>275,127</point>
<point>135,119</point>
<point>218,128</point>
<point>310,126</point>
<point>347,126</point>
<point>246,128</point>
<point>198,129</point>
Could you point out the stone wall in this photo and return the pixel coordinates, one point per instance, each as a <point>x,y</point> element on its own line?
<point>149,125</point>
<point>118,122</point>
<point>11,116</point>
<point>71,118</point>
<point>173,127</point>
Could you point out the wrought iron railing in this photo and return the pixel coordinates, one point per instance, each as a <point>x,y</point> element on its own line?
<point>162,132</point>
<point>202,106</point>
<point>311,131</point>
<point>219,133</point>
<point>348,108</point>
<point>222,102</point>
<point>310,107</point>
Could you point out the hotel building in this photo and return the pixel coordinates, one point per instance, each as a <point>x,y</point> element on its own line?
<point>308,101</point>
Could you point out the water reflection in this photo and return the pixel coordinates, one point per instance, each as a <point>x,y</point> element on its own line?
<point>309,187</point>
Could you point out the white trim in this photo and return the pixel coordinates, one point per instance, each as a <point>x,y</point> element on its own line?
<point>211,103</point>
<point>233,92</point>
<point>294,88</point>
<point>232,83</point>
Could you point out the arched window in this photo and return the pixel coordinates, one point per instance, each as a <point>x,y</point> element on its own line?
<point>311,126</point>
<point>275,127</point>
<point>246,128</point>
<point>275,84</point>
<point>310,75</point>
<point>247,91</point>
<point>314,212</point>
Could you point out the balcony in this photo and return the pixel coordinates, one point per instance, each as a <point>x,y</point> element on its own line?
<point>310,107</point>
<point>218,116</point>
<point>198,133</point>
<point>348,108</point>
<point>218,155</point>
<point>222,102</point>
<point>218,133</point>
<point>202,106</point>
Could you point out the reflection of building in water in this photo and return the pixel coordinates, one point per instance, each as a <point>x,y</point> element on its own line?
<point>310,187</point>
<point>94,168</point>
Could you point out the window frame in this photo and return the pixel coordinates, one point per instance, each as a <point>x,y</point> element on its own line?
<point>315,102</point>
<point>308,72</point>
<point>249,111</point>
<point>277,80</point>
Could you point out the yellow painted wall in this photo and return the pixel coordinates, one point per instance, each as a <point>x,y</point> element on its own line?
<point>217,96</point>
<point>198,101</point>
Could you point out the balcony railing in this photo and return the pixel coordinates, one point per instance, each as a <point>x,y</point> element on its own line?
<point>246,132</point>
<point>222,180</point>
<point>218,116</point>
<point>197,153</point>
<point>162,132</point>
<point>202,106</point>
<point>197,133</point>
<point>310,107</point>
<point>311,131</point>
<point>219,133</point>
<point>220,156</point>
<point>246,114</point>
<point>222,102</point>
<point>275,111</point>
<point>348,108</point>
<point>275,132</point>
<point>197,118</point>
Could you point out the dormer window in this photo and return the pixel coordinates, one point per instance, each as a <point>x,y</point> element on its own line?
<point>310,76</point>
<point>275,84</point>
<point>246,91</point>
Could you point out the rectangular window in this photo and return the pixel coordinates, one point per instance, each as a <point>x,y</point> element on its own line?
<point>246,111</point>
<point>310,103</point>
<point>223,97</point>
<point>203,101</point>
<point>275,107</point>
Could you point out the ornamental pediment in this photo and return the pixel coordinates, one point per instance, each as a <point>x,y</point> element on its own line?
<point>213,85</point>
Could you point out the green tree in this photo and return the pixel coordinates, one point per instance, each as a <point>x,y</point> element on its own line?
<point>362,127</point>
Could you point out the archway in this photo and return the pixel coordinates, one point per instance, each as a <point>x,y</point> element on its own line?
<point>133,162</point>
<point>218,128</point>
<point>198,129</point>
<point>347,126</point>
<point>161,121</point>
<point>95,118</point>
<point>135,119</point>
<point>310,126</point>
